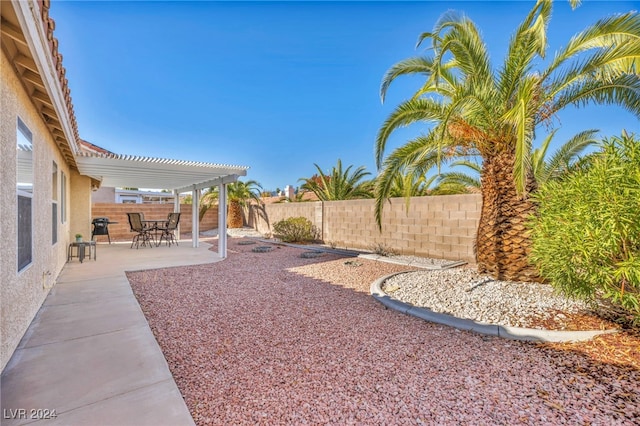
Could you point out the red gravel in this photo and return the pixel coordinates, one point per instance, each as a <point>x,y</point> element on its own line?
<point>271,338</point>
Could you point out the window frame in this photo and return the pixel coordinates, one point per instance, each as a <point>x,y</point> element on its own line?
<point>22,265</point>
<point>54,204</point>
<point>63,197</point>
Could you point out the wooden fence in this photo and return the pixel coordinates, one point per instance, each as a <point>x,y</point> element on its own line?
<point>117,212</point>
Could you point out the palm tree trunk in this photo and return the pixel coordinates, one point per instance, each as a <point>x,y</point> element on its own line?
<point>503,243</point>
<point>234,219</point>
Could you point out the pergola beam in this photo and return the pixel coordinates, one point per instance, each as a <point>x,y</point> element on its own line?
<point>222,180</point>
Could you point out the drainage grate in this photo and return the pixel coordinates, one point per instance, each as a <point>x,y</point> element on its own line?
<point>261,249</point>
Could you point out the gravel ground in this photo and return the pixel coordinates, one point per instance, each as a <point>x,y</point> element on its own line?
<point>272,338</point>
<point>464,293</point>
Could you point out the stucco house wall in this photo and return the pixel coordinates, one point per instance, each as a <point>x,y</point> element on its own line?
<point>80,195</point>
<point>104,195</point>
<point>22,293</point>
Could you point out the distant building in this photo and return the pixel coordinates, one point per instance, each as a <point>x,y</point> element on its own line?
<point>289,192</point>
<point>131,196</point>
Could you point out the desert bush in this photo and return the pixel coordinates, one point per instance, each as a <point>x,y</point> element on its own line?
<point>382,249</point>
<point>586,234</point>
<point>295,229</point>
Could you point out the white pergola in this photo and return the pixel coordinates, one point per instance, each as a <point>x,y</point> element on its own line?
<point>116,170</point>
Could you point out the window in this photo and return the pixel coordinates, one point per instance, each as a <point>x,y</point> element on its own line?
<point>54,204</point>
<point>24,189</point>
<point>63,197</point>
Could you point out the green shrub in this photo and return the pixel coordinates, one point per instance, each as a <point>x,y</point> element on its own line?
<point>586,235</point>
<point>295,229</point>
<point>382,249</point>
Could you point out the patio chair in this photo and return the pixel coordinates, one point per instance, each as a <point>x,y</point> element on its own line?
<point>135,222</point>
<point>100,227</point>
<point>168,229</point>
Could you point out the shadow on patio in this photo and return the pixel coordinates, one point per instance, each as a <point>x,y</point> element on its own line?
<point>89,356</point>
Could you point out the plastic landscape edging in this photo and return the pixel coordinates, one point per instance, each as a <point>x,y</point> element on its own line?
<point>507,332</point>
<point>415,264</point>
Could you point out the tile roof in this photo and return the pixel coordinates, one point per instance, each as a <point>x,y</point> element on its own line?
<point>49,26</point>
<point>87,146</point>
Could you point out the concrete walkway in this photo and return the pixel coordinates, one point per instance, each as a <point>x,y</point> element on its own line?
<point>89,356</point>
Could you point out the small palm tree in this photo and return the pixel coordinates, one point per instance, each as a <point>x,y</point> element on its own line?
<point>208,200</point>
<point>456,182</point>
<point>563,158</point>
<point>411,185</point>
<point>239,194</point>
<point>404,184</point>
<point>339,184</point>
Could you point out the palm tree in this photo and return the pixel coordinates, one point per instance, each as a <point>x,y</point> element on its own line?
<point>239,194</point>
<point>477,111</point>
<point>460,180</point>
<point>208,200</point>
<point>410,185</point>
<point>563,159</point>
<point>403,184</point>
<point>339,184</point>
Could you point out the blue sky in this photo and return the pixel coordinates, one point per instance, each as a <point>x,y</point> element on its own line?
<point>277,86</point>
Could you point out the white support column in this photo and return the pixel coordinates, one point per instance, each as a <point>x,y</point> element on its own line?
<point>222,221</point>
<point>195,225</point>
<point>176,209</point>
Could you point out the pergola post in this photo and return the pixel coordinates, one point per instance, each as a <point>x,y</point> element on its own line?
<point>222,220</point>
<point>195,223</point>
<point>176,208</point>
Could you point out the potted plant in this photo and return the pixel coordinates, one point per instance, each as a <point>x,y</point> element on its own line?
<point>78,238</point>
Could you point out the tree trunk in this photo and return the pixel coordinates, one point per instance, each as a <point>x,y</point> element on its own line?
<point>234,217</point>
<point>503,242</point>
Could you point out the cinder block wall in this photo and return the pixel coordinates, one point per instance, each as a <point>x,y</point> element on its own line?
<point>117,212</point>
<point>438,226</point>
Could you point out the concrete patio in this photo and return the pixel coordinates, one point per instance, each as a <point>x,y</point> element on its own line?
<point>89,355</point>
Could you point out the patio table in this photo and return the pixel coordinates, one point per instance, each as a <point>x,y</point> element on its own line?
<point>152,225</point>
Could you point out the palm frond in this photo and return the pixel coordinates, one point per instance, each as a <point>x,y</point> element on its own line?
<point>529,40</point>
<point>566,156</point>
<point>623,91</point>
<point>445,85</point>
<point>244,191</point>
<point>417,65</point>
<point>408,112</point>
<point>460,179</point>
<point>539,154</point>
<point>414,159</point>
<point>606,34</point>
<point>464,42</point>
